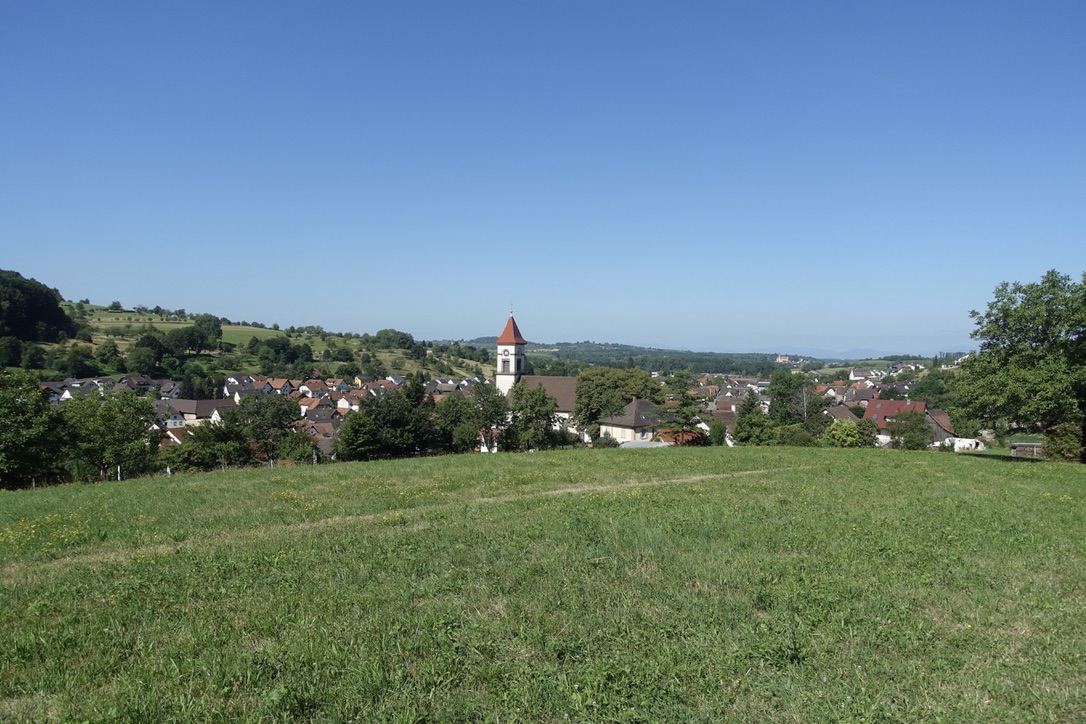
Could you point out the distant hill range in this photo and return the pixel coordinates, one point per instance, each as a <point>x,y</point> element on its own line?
<point>647,358</point>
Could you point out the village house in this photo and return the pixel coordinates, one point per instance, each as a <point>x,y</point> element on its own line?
<point>313,388</point>
<point>638,421</point>
<point>883,412</point>
<point>197,412</point>
<point>864,373</point>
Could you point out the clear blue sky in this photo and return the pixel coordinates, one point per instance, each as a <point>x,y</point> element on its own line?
<point>778,177</point>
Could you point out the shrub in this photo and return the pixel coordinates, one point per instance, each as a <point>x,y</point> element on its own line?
<point>1063,442</point>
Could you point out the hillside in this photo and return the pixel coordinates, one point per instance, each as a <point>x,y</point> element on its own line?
<point>241,345</point>
<point>752,584</point>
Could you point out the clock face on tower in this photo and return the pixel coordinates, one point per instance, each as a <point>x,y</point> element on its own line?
<point>505,353</point>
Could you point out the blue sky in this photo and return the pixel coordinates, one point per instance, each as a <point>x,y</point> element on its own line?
<point>777,177</point>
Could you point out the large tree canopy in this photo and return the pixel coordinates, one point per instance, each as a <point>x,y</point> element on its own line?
<point>28,430</point>
<point>604,391</point>
<point>1031,366</point>
<point>31,311</point>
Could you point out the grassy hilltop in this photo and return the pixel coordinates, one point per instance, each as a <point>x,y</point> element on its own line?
<point>610,585</point>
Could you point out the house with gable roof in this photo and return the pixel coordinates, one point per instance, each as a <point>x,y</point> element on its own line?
<point>314,388</point>
<point>638,421</point>
<point>882,412</point>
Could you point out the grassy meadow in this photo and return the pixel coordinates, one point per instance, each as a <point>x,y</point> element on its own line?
<point>754,584</point>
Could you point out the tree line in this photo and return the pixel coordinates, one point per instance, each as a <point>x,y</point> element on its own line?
<point>99,437</point>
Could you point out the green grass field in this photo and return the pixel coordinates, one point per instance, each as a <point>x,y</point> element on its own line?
<point>754,584</point>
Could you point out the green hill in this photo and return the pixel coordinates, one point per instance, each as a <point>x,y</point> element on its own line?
<point>711,584</point>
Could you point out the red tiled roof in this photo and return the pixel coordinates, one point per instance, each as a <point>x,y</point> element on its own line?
<point>880,410</point>
<point>511,335</point>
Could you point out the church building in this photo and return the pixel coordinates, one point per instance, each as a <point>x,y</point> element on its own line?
<point>512,363</point>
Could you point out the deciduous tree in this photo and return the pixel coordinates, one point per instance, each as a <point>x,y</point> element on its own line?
<point>1031,366</point>
<point>28,430</point>
<point>493,412</point>
<point>842,433</point>
<point>910,431</point>
<point>103,433</point>
<point>532,414</point>
<point>266,421</point>
<point>211,445</point>
<point>752,426</point>
<point>604,391</point>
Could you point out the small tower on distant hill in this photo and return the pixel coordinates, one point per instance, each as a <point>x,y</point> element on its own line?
<point>510,356</point>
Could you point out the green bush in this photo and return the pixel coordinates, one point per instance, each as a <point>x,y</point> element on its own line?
<point>1063,442</point>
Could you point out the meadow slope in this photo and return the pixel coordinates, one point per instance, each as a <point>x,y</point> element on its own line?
<point>764,584</point>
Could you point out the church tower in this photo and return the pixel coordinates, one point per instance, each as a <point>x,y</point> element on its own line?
<point>510,356</point>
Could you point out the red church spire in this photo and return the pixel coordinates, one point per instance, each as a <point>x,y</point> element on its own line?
<point>511,335</point>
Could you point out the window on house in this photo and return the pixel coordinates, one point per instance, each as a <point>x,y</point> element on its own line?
<point>505,365</point>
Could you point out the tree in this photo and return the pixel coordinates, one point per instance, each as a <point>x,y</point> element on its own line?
<point>795,435</point>
<point>78,362</point>
<point>11,352</point>
<point>842,433</point>
<point>533,413</point>
<point>683,418</point>
<point>107,432</point>
<point>1031,366</point>
<point>31,311</point>
<point>395,424</point>
<point>493,410</point>
<point>107,355</point>
<point>817,424</point>
<point>869,433</point>
<point>793,398</point>
<point>604,391</point>
<point>718,432</point>
<point>910,431</point>
<point>358,436</point>
<point>935,388</point>
<point>28,431</point>
<point>300,448</point>
<point>211,445</point>
<point>179,341</point>
<point>33,357</point>
<point>141,360</point>
<point>209,326</point>
<point>752,426</point>
<point>459,423</point>
<point>267,420</point>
